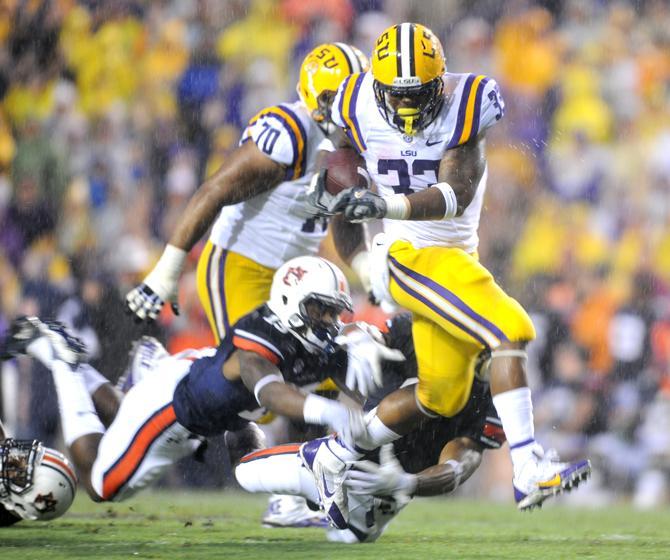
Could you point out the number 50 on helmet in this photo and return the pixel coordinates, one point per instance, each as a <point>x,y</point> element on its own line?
<point>36,482</point>
<point>407,67</point>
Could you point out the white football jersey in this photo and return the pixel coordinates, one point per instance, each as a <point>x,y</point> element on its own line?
<point>400,163</point>
<point>275,226</point>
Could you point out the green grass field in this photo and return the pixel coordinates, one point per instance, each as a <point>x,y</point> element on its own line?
<point>226,525</point>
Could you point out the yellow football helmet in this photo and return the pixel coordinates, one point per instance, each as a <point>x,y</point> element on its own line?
<point>407,67</point>
<point>322,72</point>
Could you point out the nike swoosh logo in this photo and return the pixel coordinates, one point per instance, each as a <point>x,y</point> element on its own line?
<point>429,143</point>
<point>555,481</point>
<point>325,488</point>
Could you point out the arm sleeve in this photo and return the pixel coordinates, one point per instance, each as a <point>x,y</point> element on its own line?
<point>280,134</point>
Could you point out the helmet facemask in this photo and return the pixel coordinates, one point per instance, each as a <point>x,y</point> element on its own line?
<point>318,321</point>
<point>17,465</point>
<point>426,102</point>
<point>322,114</point>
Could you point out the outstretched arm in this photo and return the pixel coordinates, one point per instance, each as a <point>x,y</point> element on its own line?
<point>458,460</point>
<point>265,380</point>
<point>247,173</point>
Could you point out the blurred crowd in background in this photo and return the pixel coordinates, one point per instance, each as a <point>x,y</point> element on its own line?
<point>113,112</point>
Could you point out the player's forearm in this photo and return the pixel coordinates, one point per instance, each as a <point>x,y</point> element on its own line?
<point>457,464</point>
<point>428,204</point>
<point>462,168</point>
<point>198,216</point>
<point>349,238</point>
<point>282,399</point>
<point>248,173</point>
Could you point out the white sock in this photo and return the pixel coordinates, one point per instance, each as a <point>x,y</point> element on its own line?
<point>77,412</point>
<point>93,379</point>
<point>378,433</point>
<point>280,474</point>
<point>515,409</point>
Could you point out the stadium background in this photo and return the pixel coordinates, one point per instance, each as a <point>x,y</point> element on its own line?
<point>111,114</point>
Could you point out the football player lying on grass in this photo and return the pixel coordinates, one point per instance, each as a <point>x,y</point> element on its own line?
<point>436,458</point>
<point>174,402</point>
<point>36,482</point>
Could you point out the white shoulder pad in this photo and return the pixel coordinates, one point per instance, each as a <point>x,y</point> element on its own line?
<point>280,134</point>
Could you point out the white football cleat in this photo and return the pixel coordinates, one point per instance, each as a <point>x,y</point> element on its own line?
<point>543,476</point>
<point>143,357</point>
<point>59,343</point>
<point>328,471</point>
<point>292,511</point>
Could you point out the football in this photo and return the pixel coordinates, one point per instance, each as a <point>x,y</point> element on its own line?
<point>342,166</point>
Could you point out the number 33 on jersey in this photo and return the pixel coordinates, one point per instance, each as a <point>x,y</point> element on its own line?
<point>404,162</point>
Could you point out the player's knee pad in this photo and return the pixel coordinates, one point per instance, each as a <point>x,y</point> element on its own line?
<point>483,364</point>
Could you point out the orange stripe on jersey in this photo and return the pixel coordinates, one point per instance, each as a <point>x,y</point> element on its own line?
<point>470,110</point>
<point>62,465</point>
<point>121,472</point>
<point>253,346</point>
<point>289,448</point>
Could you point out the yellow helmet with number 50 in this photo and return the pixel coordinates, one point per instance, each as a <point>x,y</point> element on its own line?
<point>408,64</point>
<point>322,72</point>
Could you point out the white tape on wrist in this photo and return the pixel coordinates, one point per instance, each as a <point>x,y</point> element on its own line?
<point>314,409</point>
<point>449,199</point>
<point>171,261</point>
<point>397,207</point>
<point>458,471</point>
<point>272,378</point>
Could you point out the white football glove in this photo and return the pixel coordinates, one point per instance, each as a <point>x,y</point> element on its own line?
<point>387,478</point>
<point>349,423</point>
<point>160,286</point>
<point>365,351</point>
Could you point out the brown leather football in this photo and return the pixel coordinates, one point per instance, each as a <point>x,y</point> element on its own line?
<point>342,166</point>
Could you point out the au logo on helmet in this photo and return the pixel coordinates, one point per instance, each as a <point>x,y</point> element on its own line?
<point>294,275</point>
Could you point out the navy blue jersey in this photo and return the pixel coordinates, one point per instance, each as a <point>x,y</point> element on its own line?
<point>207,403</point>
<point>478,421</point>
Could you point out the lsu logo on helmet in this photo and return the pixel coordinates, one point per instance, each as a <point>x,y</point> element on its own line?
<point>408,64</point>
<point>322,72</point>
